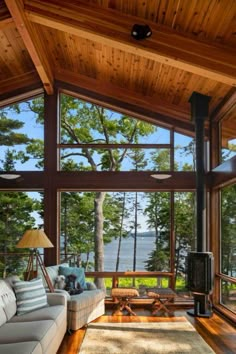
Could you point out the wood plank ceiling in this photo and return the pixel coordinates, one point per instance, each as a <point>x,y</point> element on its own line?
<point>88,44</point>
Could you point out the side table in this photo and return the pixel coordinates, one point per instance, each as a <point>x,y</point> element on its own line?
<point>124,295</point>
<point>162,297</point>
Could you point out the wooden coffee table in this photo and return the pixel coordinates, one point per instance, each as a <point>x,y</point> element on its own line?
<point>162,297</point>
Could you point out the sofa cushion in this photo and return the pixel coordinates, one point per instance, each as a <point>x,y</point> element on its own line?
<point>11,279</point>
<point>78,272</point>
<point>7,302</point>
<point>22,348</point>
<point>56,313</point>
<point>41,331</point>
<point>3,317</point>
<point>87,299</point>
<point>30,295</point>
<point>52,273</point>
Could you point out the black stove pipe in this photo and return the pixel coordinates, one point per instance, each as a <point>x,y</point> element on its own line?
<point>199,112</point>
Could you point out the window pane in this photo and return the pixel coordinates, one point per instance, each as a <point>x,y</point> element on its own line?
<point>135,229</point>
<point>228,230</point>
<point>122,159</point>
<point>22,136</point>
<point>20,211</point>
<point>85,123</point>
<point>228,139</point>
<point>184,153</point>
<point>228,295</point>
<point>185,235</point>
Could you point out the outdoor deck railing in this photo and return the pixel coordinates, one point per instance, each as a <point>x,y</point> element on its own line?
<point>115,276</point>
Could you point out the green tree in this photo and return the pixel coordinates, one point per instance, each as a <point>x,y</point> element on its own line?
<point>139,163</point>
<point>184,227</point>
<point>8,131</point>
<point>124,215</point>
<point>77,224</point>
<point>15,218</point>
<point>228,230</point>
<point>158,213</point>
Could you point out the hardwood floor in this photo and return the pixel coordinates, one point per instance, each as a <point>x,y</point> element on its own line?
<point>219,334</point>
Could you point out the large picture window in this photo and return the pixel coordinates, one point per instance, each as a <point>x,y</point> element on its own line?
<point>98,139</point>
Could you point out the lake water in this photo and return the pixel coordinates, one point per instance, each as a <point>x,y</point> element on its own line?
<point>145,245</point>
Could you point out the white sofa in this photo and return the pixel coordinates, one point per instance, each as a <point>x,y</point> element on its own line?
<point>82,308</point>
<point>37,332</point>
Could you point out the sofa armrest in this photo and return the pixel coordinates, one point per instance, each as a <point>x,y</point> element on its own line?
<point>56,299</point>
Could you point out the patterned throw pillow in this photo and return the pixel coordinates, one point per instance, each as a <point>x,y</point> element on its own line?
<point>78,272</point>
<point>30,295</point>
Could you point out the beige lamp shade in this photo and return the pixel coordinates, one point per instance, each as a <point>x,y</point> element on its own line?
<point>35,238</point>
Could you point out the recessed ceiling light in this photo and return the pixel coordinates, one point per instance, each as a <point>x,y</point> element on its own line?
<point>9,176</point>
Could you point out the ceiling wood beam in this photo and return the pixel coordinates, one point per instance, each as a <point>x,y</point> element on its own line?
<point>6,22</point>
<point>103,181</point>
<point>20,94</point>
<point>19,82</point>
<point>213,61</point>
<point>31,42</point>
<point>227,105</point>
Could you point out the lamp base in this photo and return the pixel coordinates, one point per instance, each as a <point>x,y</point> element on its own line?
<point>39,262</point>
<point>30,275</point>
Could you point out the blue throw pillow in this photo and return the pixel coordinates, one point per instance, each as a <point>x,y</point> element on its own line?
<point>79,272</point>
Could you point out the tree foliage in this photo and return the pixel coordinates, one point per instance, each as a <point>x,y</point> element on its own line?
<point>15,218</point>
<point>228,230</point>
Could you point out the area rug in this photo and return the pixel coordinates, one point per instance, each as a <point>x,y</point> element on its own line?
<point>143,338</point>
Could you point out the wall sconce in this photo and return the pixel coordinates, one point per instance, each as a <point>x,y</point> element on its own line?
<point>160,176</point>
<point>9,176</point>
<point>141,31</point>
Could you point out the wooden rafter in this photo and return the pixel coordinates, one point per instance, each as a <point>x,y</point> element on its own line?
<point>213,61</point>
<point>33,46</point>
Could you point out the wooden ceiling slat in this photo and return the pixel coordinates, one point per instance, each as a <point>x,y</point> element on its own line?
<point>164,46</point>
<point>104,55</point>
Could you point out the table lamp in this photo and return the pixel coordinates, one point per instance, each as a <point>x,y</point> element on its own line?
<point>36,238</point>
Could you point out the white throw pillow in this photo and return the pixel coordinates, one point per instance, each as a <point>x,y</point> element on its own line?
<point>30,295</point>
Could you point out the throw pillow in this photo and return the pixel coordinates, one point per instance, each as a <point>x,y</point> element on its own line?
<point>30,295</point>
<point>79,272</point>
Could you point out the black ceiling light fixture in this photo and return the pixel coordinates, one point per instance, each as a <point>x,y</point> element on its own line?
<point>141,31</point>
